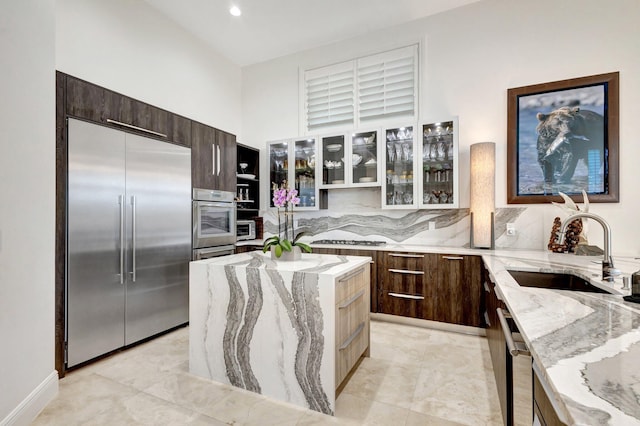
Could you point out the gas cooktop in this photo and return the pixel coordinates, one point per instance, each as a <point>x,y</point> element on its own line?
<point>350,242</point>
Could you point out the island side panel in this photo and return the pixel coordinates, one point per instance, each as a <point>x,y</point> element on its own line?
<point>249,329</point>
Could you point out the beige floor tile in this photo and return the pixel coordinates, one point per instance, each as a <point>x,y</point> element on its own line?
<point>83,397</point>
<point>456,397</point>
<point>356,410</point>
<point>189,391</point>
<point>419,419</point>
<point>415,376</point>
<point>384,381</point>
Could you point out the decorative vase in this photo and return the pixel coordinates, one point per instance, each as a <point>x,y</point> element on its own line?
<point>287,256</point>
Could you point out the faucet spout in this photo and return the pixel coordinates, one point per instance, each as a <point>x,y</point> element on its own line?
<point>608,271</point>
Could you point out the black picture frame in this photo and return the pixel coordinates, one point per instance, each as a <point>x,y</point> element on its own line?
<point>562,136</point>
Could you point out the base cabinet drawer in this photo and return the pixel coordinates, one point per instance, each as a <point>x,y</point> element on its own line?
<point>405,284</point>
<point>349,350</point>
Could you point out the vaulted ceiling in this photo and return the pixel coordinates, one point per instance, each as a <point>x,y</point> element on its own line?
<point>269,29</point>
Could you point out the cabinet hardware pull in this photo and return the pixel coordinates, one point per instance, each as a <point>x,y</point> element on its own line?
<point>515,348</point>
<point>357,296</point>
<point>404,271</point>
<point>486,319</point>
<point>406,296</point>
<point>351,338</point>
<point>406,255</point>
<point>133,238</point>
<point>351,275</point>
<point>213,158</point>
<point>486,287</point>
<point>498,293</point>
<point>218,162</point>
<point>453,257</point>
<point>131,126</point>
<point>122,213</point>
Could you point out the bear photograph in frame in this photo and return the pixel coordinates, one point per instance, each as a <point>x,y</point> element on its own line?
<point>563,137</point>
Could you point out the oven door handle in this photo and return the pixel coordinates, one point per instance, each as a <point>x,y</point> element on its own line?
<point>223,205</point>
<point>218,251</point>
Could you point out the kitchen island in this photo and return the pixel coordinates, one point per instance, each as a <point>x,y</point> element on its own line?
<point>287,330</point>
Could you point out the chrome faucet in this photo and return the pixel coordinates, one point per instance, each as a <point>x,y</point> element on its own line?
<point>608,270</point>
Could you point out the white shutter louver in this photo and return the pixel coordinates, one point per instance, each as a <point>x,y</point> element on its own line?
<point>362,90</point>
<point>329,96</point>
<point>387,84</point>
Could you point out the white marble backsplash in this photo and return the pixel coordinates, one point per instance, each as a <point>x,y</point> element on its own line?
<point>438,227</point>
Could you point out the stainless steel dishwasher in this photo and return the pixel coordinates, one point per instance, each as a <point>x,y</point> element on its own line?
<point>519,373</point>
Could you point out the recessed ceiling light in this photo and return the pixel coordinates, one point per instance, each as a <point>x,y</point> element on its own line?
<point>235,11</point>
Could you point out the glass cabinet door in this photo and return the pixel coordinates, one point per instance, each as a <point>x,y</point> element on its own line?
<point>333,160</point>
<point>399,185</point>
<point>278,167</point>
<point>364,159</point>
<point>439,165</point>
<point>304,159</point>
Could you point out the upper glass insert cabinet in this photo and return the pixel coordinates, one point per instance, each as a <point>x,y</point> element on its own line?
<point>350,160</point>
<point>400,183</point>
<point>439,165</point>
<point>292,164</point>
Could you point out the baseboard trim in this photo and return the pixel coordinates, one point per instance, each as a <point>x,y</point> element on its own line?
<point>455,328</point>
<point>31,406</point>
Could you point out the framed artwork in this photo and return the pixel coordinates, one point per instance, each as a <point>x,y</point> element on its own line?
<point>563,137</point>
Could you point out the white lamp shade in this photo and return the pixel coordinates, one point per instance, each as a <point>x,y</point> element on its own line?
<point>483,193</point>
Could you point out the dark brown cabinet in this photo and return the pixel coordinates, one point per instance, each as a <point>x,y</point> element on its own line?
<point>94,103</point>
<point>542,406</point>
<point>435,287</point>
<point>406,283</point>
<point>458,290</point>
<point>213,158</point>
<point>497,343</point>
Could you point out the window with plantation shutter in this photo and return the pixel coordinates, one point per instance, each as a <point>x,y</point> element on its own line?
<point>363,90</point>
<point>330,96</point>
<point>386,84</point>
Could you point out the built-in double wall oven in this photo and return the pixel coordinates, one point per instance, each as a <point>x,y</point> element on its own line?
<point>214,223</point>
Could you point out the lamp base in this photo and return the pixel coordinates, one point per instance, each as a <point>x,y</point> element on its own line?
<point>493,233</point>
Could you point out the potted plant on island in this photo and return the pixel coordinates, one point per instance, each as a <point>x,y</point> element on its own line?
<point>283,243</point>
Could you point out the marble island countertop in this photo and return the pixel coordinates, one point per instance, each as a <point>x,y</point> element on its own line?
<point>586,345</point>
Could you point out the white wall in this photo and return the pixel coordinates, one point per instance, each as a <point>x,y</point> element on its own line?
<point>27,191</point>
<point>471,56</point>
<point>128,47</point>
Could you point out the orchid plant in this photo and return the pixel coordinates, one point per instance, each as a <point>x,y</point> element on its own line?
<point>287,199</point>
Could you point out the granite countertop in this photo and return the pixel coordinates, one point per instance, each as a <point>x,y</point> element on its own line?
<point>586,345</point>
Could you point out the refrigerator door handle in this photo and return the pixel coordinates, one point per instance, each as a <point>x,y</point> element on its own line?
<point>121,203</point>
<point>133,238</point>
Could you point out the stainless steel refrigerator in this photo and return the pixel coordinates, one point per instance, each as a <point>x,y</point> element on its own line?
<point>128,239</point>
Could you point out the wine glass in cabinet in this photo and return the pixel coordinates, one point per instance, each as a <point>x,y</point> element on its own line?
<point>400,177</point>
<point>293,164</point>
<point>305,172</point>
<point>278,155</point>
<point>439,165</point>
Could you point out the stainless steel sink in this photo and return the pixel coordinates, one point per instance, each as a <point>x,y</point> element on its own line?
<point>556,281</point>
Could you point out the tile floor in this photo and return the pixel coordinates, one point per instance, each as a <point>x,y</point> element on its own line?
<point>415,376</point>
